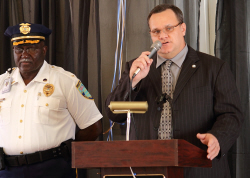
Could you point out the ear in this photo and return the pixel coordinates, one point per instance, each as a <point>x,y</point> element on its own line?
<point>45,50</point>
<point>183,29</point>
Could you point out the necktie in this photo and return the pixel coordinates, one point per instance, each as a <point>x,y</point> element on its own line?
<point>164,131</point>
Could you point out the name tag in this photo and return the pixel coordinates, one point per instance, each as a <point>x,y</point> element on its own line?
<point>7,85</point>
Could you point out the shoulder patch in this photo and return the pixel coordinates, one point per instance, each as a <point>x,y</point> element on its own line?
<point>81,88</point>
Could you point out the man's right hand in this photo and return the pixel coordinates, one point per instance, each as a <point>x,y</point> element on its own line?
<point>142,62</point>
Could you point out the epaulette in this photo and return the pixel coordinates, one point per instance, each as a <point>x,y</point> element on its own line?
<point>63,71</point>
<point>10,70</point>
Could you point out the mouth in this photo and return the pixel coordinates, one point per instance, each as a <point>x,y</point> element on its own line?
<point>25,60</point>
<point>167,42</point>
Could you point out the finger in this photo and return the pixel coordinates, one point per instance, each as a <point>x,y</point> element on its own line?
<point>139,63</point>
<point>213,154</point>
<point>211,148</point>
<point>211,142</point>
<point>150,62</point>
<point>214,151</point>
<point>201,136</point>
<point>145,53</point>
<point>145,56</point>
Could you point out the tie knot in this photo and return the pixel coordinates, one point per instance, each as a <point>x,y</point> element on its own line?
<point>168,64</point>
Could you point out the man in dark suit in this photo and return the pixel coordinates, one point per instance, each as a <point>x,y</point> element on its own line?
<point>204,101</point>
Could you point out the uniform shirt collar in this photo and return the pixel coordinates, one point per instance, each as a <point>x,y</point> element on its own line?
<point>178,59</point>
<point>42,75</point>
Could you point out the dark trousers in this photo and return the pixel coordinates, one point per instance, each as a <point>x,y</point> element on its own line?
<point>54,168</point>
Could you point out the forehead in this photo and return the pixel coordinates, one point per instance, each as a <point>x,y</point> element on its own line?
<point>162,19</point>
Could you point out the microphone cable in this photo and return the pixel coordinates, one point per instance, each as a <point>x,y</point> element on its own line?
<point>120,28</point>
<point>132,115</point>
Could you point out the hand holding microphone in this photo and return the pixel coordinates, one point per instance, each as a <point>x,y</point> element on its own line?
<point>154,48</point>
<point>143,63</point>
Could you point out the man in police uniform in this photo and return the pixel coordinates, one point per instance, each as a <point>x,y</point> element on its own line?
<point>40,105</point>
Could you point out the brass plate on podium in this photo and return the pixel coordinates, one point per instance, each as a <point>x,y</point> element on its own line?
<point>137,176</point>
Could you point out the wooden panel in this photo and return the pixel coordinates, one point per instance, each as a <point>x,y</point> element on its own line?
<point>192,156</point>
<point>140,153</point>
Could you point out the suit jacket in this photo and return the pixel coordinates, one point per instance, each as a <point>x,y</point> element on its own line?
<point>205,100</point>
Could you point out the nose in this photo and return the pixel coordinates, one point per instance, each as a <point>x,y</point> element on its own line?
<point>163,34</point>
<point>25,52</point>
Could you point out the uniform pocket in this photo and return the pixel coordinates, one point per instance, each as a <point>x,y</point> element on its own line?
<point>5,108</point>
<point>47,109</point>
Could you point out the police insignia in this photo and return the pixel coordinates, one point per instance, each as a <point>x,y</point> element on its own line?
<point>25,28</point>
<point>48,89</point>
<point>81,88</point>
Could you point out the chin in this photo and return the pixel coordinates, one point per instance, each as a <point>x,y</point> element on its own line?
<point>165,52</point>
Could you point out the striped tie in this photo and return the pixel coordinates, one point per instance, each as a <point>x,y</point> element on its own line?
<point>164,131</point>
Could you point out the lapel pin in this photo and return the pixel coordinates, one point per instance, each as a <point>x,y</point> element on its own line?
<point>193,66</point>
<point>45,80</point>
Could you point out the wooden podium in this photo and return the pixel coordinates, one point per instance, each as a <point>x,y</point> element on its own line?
<point>164,158</point>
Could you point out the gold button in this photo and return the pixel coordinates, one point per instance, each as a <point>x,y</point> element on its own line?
<point>21,121</point>
<point>22,105</point>
<point>21,152</point>
<point>25,91</point>
<point>72,75</point>
<point>20,137</point>
<point>47,104</point>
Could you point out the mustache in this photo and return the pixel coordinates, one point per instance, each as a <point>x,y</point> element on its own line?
<point>25,60</point>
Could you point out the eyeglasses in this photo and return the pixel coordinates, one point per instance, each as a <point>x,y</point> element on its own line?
<point>167,30</point>
<point>28,50</point>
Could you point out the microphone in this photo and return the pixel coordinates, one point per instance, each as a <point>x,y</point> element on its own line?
<point>164,98</point>
<point>154,48</point>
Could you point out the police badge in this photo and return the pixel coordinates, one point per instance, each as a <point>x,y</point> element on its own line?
<point>48,89</point>
<point>25,29</point>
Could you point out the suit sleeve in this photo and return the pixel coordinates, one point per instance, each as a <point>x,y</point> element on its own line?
<point>120,93</point>
<point>227,109</point>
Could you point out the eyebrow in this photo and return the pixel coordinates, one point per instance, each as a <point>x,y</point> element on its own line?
<point>168,25</point>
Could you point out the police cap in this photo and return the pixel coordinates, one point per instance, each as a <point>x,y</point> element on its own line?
<point>27,33</point>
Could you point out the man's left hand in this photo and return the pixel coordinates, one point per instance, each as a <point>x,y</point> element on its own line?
<point>212,144</point>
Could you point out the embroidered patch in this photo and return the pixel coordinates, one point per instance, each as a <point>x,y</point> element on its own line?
<point>81,88</point>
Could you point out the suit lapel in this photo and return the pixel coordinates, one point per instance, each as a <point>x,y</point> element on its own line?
<point>189,67</point>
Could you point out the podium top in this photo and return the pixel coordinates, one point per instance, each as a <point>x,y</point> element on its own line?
<point>138,153</point>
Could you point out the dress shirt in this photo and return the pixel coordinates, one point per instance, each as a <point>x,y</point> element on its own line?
<point>176,65</point>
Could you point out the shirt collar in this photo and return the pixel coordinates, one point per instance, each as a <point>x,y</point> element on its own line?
<point>178,59</point>
<point>16,77</point>
<point>42,75</point>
